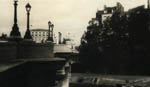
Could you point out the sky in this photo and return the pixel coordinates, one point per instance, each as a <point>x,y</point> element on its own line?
<point>68,16</point>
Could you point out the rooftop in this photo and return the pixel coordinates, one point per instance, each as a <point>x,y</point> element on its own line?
<point>39,29</point>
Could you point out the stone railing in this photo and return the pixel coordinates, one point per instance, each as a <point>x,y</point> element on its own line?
<point>8,50</point>
<point>23,50</point>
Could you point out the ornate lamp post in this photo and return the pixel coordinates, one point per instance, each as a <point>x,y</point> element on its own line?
<point>28,34</point>
<point>50,32</point>
<point>15,29</point>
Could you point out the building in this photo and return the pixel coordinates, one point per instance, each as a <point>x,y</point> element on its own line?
<point>39,35</point>
<point>102,15</point>
<point>106,13</point>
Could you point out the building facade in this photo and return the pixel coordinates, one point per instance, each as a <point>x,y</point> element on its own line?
<point>39,35</point>
<point>102,15</point>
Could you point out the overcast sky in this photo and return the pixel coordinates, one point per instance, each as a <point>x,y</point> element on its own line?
<point>68,16</point>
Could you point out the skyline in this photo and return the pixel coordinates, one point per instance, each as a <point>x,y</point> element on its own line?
<point>68,16</point>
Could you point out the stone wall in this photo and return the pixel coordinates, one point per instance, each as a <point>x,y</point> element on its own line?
<point>8,50</point>
<point>23,50</point>
<point>36,50</point>
<point>35,74</point>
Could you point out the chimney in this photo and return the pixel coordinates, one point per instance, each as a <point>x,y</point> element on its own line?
<point>105,7</point>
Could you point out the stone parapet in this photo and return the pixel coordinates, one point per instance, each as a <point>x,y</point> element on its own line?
<point>35,50</point>
<point>34,73</point>
<point>25,50</point>
<point>8,50</point>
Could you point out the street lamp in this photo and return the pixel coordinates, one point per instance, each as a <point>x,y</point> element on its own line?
<point>50,32</point>
<point>15,29</point>
<point>28,34</point>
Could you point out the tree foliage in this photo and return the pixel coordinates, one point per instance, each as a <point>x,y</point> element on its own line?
<point>118,45</point>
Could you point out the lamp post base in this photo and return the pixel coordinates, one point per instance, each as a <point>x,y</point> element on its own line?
<point>15,32</point>
<point>28,35</point>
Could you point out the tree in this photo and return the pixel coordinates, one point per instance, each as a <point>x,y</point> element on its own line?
<point>88,48</point>
<point>139,40</point>
<point>120,45</point>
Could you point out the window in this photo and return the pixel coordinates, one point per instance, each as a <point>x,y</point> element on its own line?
<point>32,33</point>
<point>43,33</point>
<point>35,33</point>
<point>39,33</point>
<point>47,33</point>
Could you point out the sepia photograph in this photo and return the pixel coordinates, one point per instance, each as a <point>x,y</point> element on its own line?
<point>75,43</point>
